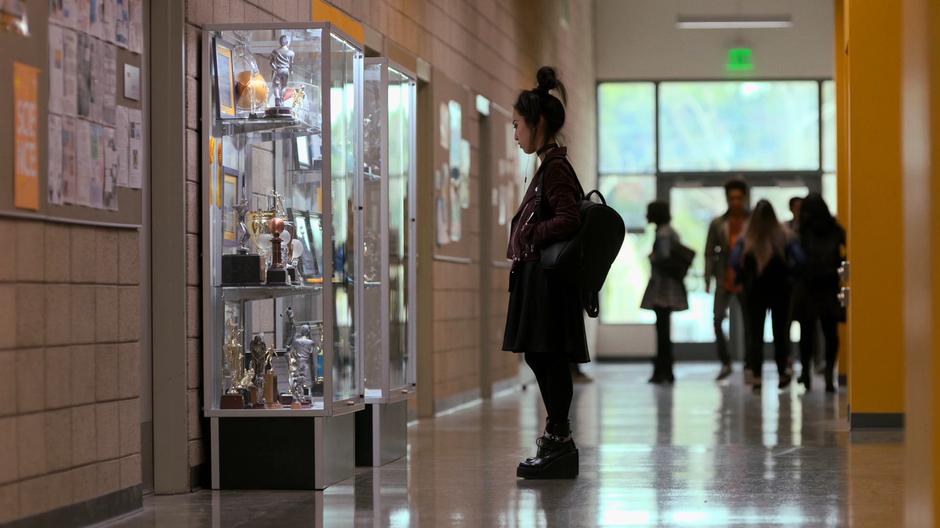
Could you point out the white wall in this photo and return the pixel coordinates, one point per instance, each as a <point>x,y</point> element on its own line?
<point>638,39</point>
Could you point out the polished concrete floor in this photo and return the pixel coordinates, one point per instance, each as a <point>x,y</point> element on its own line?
<point>696,454</point>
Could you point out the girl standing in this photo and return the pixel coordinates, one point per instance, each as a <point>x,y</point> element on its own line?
<point>545,320</point>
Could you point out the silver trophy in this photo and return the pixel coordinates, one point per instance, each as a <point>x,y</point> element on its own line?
<point>302,349</point>
<point>282,61</point>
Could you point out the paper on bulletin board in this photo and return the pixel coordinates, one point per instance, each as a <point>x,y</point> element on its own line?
<point>63,98</point>
<point>121,143</point>
<point>84,163</point>
<point>108,84</point>
<point>110,170</point>
<point>121,23</point>
<point>135,151</point>
<point>26,136</point>
<point>136,37</point>
<point>54,161</point>
<point>69,160</point>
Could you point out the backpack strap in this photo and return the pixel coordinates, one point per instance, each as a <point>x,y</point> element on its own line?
<point>540,189</point>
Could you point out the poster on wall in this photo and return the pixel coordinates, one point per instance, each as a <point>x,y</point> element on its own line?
<point>26,136</point>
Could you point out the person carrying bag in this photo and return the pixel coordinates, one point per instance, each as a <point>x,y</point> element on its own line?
<point>665,293</point>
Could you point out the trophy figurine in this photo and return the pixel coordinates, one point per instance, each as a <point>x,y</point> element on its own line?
<point>242,267</point>
<point>301,351</point>
<point>259,358</point>
<point>234,368</point>
<point>288,328</point>
<point>282,60</point>
<point>277,273</point>
<point>271,397</point>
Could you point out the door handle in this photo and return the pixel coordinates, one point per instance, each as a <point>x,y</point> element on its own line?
<point>844,270</point>
<point>844,296</point>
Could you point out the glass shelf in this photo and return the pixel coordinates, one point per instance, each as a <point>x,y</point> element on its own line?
<point>268,128</point>
<point>262,291</point>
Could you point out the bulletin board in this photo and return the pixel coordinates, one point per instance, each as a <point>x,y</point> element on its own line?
<point>507,179</point>
<point>80,134</point>
<point>452,157</point>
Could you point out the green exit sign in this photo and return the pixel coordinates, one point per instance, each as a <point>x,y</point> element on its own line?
<point>740,60</point>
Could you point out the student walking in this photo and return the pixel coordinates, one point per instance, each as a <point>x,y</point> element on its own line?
<point>665,292</point>
<point>723,233</point>
<point>817,287</point>
<point>763,259</point>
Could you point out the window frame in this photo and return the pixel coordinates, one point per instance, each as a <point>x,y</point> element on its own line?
<point>666,180</point>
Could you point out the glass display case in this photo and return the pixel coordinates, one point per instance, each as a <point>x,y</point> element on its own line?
<point>282,230</point>
<point>389,235</point>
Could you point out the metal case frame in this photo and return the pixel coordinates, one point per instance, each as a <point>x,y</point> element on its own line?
<point>327,437</point>
<point>395,394</point>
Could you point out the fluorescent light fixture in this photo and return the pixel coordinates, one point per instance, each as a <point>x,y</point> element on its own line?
<point>734,22</point>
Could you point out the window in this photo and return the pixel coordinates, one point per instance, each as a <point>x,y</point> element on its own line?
<point>777,135</point>
<point>829,126</point>
<point>627,137</point>
<point>726,126</point>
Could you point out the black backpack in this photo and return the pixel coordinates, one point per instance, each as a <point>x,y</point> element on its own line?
<point>587,256</point>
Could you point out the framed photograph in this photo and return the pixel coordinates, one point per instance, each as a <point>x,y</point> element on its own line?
<point>302,153</point>
<point>225,79</point>
<point>309,263</point>
<point>230,197</point>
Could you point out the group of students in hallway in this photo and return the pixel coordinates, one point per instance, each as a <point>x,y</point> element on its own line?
<point>755,263</point>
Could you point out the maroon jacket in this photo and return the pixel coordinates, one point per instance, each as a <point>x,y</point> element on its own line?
<point>560,209</point>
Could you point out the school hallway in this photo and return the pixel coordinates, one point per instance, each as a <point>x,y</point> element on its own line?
<point>695,454</point>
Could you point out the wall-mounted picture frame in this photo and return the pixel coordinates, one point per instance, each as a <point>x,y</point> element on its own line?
<point>306,229</point>
<point>230,198</point>
<point>302,154</point>
<point>225,79</point>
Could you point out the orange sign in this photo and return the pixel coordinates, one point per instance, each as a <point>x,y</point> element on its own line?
<point>26,136</point>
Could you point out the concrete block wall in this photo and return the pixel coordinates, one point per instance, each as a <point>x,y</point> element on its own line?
<point>70,352</point>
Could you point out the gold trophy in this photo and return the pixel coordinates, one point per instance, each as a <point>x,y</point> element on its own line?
<point>234,367</point>
<point>258,231</point>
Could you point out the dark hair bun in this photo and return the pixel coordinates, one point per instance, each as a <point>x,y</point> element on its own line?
<point>547,79</point>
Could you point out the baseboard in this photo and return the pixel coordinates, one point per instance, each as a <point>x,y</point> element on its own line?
<point>511,383</point>
<point>200,476</point>
<point>456,400</point>
<point>89,512</point>
<point>876,420</point>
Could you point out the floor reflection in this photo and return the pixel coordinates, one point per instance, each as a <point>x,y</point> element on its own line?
<point>696,454</point>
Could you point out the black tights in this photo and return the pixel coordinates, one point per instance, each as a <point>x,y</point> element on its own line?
<point>830,330</point>
<point>554,378</point>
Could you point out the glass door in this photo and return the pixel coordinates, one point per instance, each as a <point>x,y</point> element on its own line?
<point>693,209</point>
<point>693,206</point>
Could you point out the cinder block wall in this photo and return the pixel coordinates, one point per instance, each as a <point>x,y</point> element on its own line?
<point>70,357</point>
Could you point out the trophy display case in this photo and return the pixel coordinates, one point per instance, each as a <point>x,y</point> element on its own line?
<point>388,256</point>
<point>282,260</point>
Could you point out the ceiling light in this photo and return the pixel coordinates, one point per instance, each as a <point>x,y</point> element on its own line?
<point>734,22</point>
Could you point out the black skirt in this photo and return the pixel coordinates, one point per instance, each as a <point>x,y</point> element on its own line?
<point>545,314</point>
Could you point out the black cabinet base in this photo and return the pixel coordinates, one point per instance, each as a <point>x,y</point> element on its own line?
<point>267,453</point>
